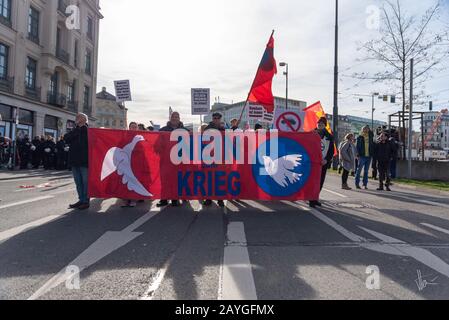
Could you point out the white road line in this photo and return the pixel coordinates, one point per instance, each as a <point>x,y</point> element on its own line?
<point>435,228</point>
<point>231,207</point>
<point>8,234</point>
<point>104,246</point>
<point>259,206</point>
<point>432,203</point>
<point>237,282</point>
<point>26,201</point>
<point>335,193</point>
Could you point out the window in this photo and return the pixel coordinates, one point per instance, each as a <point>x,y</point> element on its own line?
<point>4,51</point>
<point>54,84</point>
<point>90,28</point>
<point>33,25</point>
<point>71,92</point>
<point>88,62</point>
<point>75,54</point>
<point>86,100</point>
<point>5,12</point>
<point>30,76</point>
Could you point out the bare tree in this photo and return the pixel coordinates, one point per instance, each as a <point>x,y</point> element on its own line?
<point>401,38</point>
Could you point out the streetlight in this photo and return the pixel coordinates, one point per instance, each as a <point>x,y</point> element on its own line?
<point>284,64</point>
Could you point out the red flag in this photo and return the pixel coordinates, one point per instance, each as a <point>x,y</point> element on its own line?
<point>261,92</point>
<point>313,114</point>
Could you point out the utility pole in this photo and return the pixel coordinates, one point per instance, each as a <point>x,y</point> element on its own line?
<point>335,114</point>
<point>410,125</point>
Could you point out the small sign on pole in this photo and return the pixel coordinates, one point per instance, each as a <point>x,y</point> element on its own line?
<point>200,102</point>
<point>122,91</point>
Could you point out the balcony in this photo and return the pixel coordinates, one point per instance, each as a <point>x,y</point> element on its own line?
<point>63,55</point>
<point>7,84</point>
<point>72,106</point>
<point>5,21</point>
<point>57,99</point>
<point>33,93</point>
<point>33,38</point>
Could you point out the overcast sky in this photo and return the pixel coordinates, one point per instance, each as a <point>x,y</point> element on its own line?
<point>168,47</point>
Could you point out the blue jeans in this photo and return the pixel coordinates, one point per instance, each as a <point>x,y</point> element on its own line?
<point>80,177</point>
<point>364,164</point>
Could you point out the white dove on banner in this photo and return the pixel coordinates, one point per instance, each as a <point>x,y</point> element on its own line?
<point>281,169</point>
<point>119,160</point>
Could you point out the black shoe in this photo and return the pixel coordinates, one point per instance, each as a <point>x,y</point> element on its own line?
<point>380,189</point>
<point>318,204</point>
<point>221,203</point>
<point>207,203</point>
<point>312,204</point>
<point>175,203</point>
<point>84,206</point>
<point>162,203</point>
<point>75,205</point>
<point>358,188</point>
<point>388,189</point>
<point>365,187</point>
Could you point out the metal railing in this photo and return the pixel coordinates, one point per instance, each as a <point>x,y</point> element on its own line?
<point>33,38</point>
<point>56,99</point>
<point>33,93</point>
<point>63,55</point>
<point>72,106</point>
<point>7,84</point>
<point>62,6</point>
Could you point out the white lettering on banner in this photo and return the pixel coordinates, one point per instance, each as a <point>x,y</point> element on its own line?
<point>122,91</point>
<point>200,101</point>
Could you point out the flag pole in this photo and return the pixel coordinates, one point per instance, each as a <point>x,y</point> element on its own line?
<point>249,93</point>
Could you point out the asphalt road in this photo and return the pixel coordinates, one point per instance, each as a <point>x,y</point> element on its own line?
<point>249,250</point>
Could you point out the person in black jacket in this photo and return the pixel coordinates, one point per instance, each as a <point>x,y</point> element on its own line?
<point>216,125</point>
<point>78,143</point>
<point>384,154</point>
<point>61,162</point>
<point>174,124</point>
<point>327,147</point>
<point>24,146</point>
<point>48,148</point>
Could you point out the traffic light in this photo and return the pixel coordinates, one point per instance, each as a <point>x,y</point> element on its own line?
<point>385,98</point>
<point>431,106</point>
<point>393,99</point>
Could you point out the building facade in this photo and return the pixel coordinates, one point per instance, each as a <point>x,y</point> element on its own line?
<point>440,137</point>
<point>109,113</point>
<point>48,64</point>
<point>233,111</point>
<point>351,124</point>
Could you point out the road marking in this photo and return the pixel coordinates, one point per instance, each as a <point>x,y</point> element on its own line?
<point>389,245</point>
<point>237,282</point>
<point>433,203</point>
<point>50,196</point>
<point>231,207</point>
<point>104,246</point>
<point>259,206</point>
<point>157,281</point>
<point>335,193</point>
<point>26,201</point>
<point>8,234</point>
<point>435,228</point>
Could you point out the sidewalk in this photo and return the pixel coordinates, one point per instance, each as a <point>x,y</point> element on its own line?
<point>7,175</point>
<point>374,183</point>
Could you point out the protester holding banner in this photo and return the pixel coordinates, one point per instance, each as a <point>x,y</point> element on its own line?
<point>77,140</point>
<point>216,125</point>
<point>133,126</point>
<point>174,124</point>
<point>365,153</point>
<point>347,159</point>
<point>327,148</point>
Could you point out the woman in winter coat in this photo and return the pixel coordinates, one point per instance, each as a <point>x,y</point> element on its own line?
<point>347,159</point>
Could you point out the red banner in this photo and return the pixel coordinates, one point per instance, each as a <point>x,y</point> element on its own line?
<point>234,165</point>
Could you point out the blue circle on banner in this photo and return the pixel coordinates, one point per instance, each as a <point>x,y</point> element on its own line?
<point>292,174</point>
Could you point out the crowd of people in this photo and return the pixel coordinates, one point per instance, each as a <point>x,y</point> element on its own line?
<point>369,150</point>
<point>356,155</point>
<point>42,151</point>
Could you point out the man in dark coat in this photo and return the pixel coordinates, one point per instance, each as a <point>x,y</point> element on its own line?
<point>384,154</point>
<point>61,162</point>
<point>24,146</point>
<point>217,125</point>
<point>36,153</point>
<point>327,148</point>
<point>78,143</point>
<point>49,147</point>
<point>174,124</point>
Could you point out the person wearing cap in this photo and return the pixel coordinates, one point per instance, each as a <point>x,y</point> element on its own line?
<point>217,125</point>
<point>234,124</point>
<point>327,147</point>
